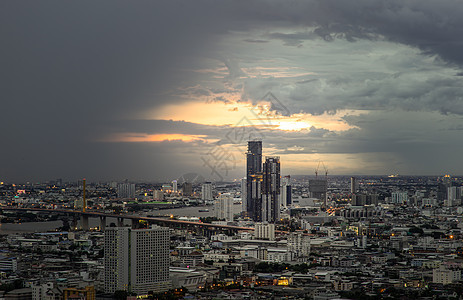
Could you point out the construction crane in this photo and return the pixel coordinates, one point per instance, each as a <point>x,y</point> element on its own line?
<point>318,168</point>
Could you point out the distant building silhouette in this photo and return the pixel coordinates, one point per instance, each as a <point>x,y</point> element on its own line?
<point>318,189</point>
<point>187,189</point>
<point>126,190</point>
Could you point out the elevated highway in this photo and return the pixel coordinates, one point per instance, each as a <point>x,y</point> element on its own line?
<point>135,219</point>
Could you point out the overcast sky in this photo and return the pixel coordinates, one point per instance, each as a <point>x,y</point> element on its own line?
<point>151,90</point>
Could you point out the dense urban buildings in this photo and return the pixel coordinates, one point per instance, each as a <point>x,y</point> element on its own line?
<point>391,237</point>
<point>261,149</point>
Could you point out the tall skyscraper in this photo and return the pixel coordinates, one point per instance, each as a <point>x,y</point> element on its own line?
<point>254,199</point>
<point>353,185</point>
<point>223,207</point>
<point>271,190</point>
<point>136,260</point>
<point>254,157</point>
<point>206,192</point>
<point>254,179</point>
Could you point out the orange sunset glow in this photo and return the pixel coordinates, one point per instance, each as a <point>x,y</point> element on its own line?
<point>136,137</point>
<point>220,113</point>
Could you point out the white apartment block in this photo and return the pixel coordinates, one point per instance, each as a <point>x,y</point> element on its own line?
<point>206,192</point>
<point>224,207</point>
<point>244,203</point>
<point>444,275</point>
<point>39,291</point>
<point>299,244</point>
<point>399,197</point>
<point>136,260</point>
<point>264,231</point>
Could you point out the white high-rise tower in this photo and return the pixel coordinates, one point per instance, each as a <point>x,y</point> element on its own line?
<point>224,207</point>
<point>244,203</point>
<point>174,186</point>
<point>136,260</point>
<point>206,192</point>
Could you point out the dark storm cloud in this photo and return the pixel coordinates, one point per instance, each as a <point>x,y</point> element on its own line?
<point>405,91</point>
<point>166,127</point>
<point>433,26</point>
<point>292,39</point>
<point>255,41</point>
<point>70,69</point>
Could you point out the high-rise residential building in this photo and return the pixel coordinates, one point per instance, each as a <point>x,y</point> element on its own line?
<point>223,207</point>
<point>187,189</point>
<point>399,197</point>
<point>353,185</point>
<point>136,260</point>
<point>126,190</point>
<point>299,244</point>
<point>444,275</point>
<point>254,199</point>
<point>254,178</point>
<point>318,189</point>
<point>271,190</point>
<point>254,157</point>
<point>454,195</point>
<point>243,195</point>
<point>174,186</point>
<point>264,231</point>
<point>206,192</point>
<point>361,199</point>
<point>285,192</point>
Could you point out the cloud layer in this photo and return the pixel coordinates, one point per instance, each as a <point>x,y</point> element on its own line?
<point>74,74</point>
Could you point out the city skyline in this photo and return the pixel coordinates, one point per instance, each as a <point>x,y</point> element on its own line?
<point>151,91</point>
